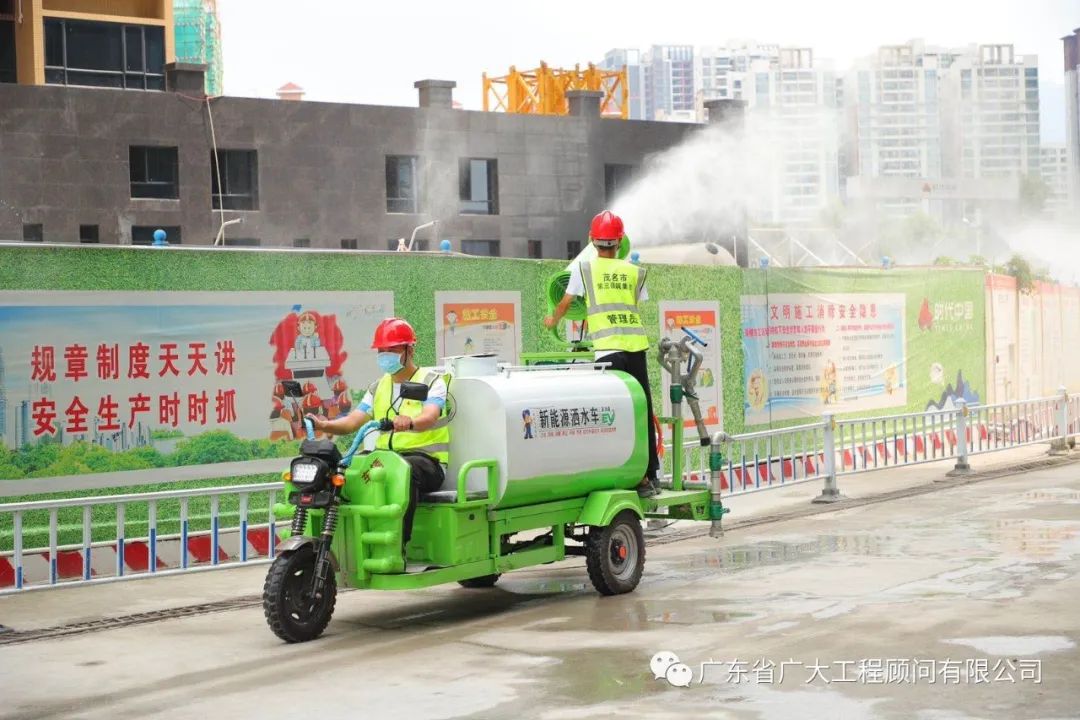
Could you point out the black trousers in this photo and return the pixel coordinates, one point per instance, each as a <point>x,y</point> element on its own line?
<point>427,476</point>
<point>633,364</point>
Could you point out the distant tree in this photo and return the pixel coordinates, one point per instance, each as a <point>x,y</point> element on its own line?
<point>273,448</point>
<point>921,229</point>
<point>8,469</point>
<point>910,238</point>
<point>1019,268</point>
<point>34,457</point>
<point>148,454</point>
<point>1033,194</point>
<point>211,447</point>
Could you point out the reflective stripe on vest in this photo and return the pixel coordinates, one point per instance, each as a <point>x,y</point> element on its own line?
<point>628,336</point>
<point>434,441</point>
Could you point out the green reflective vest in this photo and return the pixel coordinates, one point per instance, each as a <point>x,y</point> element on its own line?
<point>434,442</point>
<point>611,292</point>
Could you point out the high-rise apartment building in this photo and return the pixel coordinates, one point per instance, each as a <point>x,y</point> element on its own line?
<point>799,97</point>
<point>669,82</point>
<point>1054,168</point>
<point>95,43</point>
<point>198,39</point>
<point>1072,116</point>
<point>945,131</point>
<point>727,72</point>
<point>629,58</point>
<point>994,96</point>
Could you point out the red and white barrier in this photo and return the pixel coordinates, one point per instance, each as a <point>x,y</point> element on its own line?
<point>105,557</point>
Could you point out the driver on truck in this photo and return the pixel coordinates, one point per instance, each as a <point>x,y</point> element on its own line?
<point>421,434</point>
<point>612,289</point>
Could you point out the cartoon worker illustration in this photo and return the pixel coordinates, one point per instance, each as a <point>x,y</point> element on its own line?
<point>829,387</point>
<point>308,338</point>
<point>451,321</point>
<point>527,421</point>
<point>313,404</point>
<point>757,391</point>
<point>892,379</point>
<point>280,427</point>
<point>937,373</point>
<point>341,402</point>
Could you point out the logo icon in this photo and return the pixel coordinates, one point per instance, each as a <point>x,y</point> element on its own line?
<point>665,665</point>
<point>526,423</point>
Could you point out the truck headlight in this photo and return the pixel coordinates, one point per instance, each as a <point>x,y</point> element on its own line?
<point>306,474</point>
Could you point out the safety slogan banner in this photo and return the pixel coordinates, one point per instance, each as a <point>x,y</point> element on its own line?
<point>702,318</point>
<point>806,354</point>
<point>478,323</point>
<point>129,380</point>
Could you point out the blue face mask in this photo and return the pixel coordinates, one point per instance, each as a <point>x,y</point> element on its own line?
<point>389,362</point>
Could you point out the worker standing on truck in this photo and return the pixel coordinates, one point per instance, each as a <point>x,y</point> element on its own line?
<point>612,289</point>
<point>421,434</point>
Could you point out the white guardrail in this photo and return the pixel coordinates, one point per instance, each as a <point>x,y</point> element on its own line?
<point>121,537</point>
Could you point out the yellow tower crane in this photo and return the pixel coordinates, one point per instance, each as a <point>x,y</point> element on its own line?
<point>543,91</point>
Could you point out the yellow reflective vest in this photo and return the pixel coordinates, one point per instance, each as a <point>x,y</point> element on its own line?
<point>612,288</point>
<point>434,442</point>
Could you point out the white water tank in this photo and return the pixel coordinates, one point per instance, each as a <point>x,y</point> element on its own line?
<point>555,433</point>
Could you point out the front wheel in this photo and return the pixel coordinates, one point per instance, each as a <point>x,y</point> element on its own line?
<point>615,554</point>
<point>291,612</point>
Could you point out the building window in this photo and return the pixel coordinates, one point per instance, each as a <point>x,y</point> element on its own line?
<point>487,248</point>
<point>573,247</point>
<point>348,243</point>
<point>88,233</point>
<point>8,72</point>
<point>239,171</point>
<point>418,245</point>
<point>144,234</point>
<point>302,242</point>
<point>243,242</point>
<point>402,186</point>
<point>616,179</point>
<point>103,54</point>
<point>154,172</point>
<point>536,249</point>
<point>479,183</point>
<point>33,232</point>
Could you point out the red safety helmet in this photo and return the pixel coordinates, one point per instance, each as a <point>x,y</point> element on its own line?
<point>393,332</point>
<point>606,230</point>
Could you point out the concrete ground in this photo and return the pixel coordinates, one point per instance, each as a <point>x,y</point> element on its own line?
<point>944,605</point>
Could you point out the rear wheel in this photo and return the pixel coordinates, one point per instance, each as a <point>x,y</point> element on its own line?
<point>615,554</point>
<point>291,612</point>
<point>484,581</point>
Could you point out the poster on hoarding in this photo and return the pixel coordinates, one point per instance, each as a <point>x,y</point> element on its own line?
<point>478,323</point>
<point>1053,375</point>
<point>702,318</point>
<point>1002,346</point>
<point>805,355</point>
<point>174,378</point>
<point>1029,360</point>
<point>1070,336</point>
